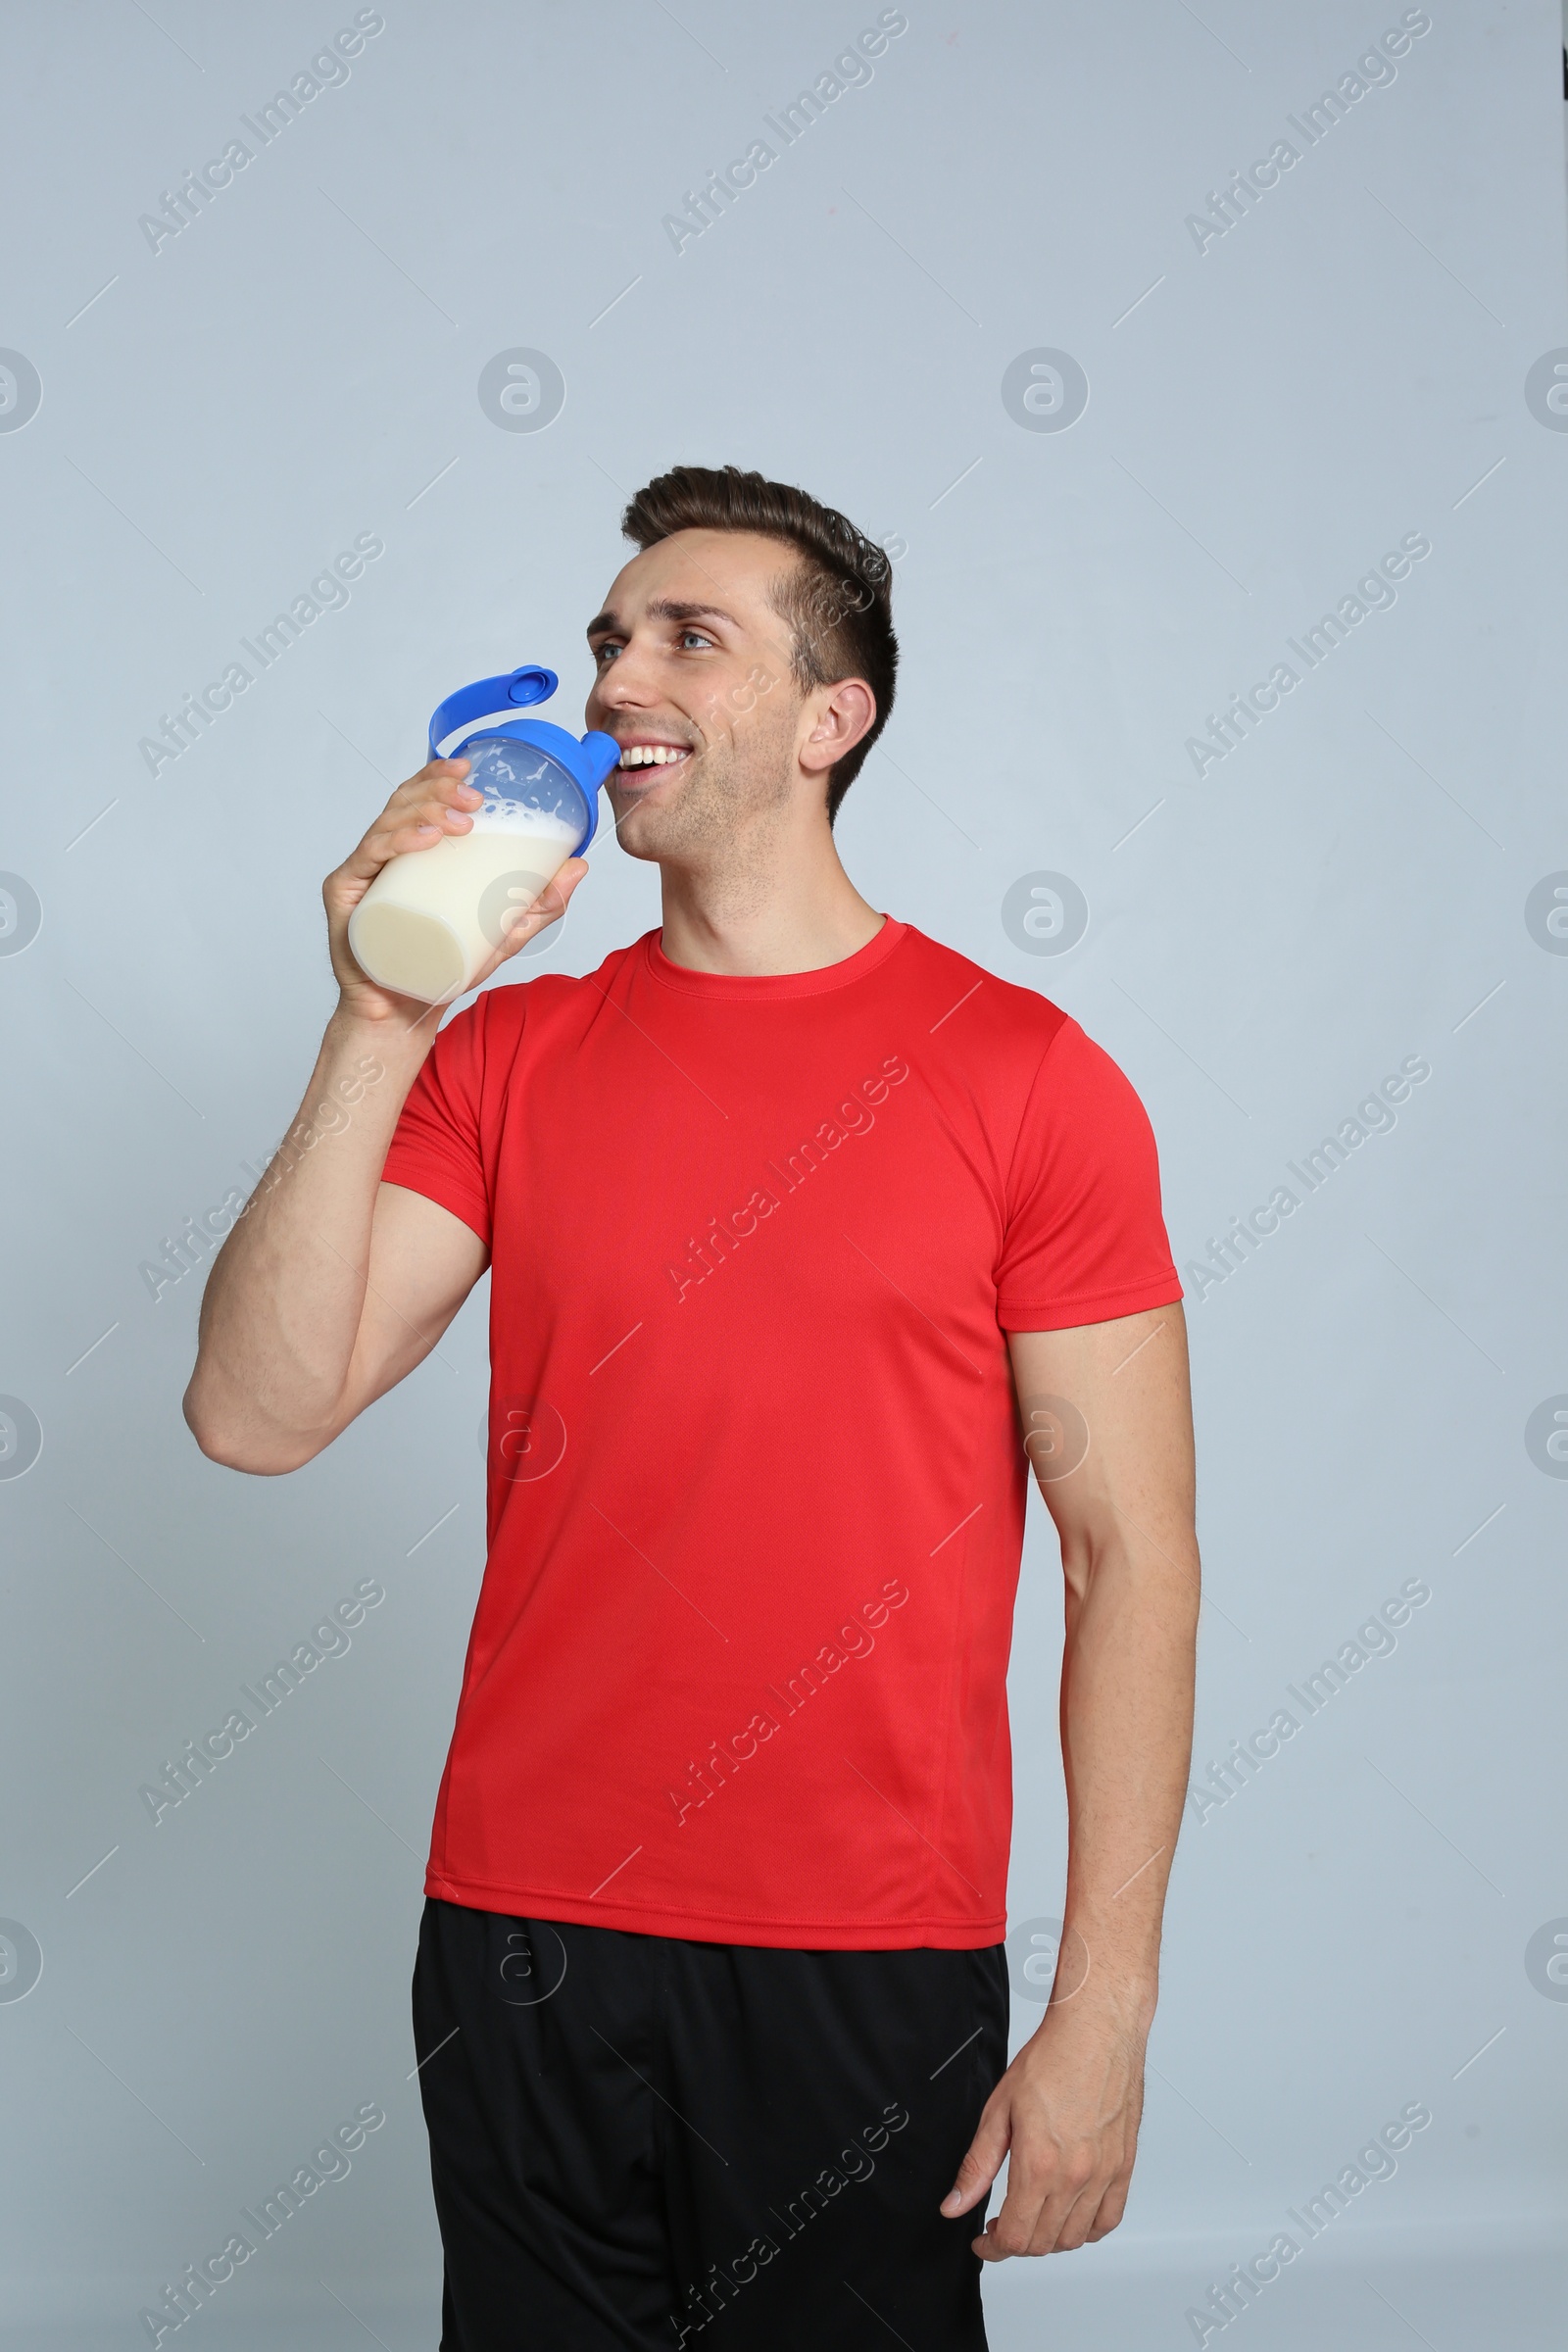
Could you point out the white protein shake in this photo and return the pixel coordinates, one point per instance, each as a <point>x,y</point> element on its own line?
<point>431,917</point>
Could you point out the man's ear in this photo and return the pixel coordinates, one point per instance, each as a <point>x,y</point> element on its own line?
<point>837,718</point>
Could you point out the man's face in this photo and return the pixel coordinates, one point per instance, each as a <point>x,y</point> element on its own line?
<point>694,683</point>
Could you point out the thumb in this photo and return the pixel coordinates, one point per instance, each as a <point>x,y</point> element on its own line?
<point>982,2162</point>
<point>546,909</point>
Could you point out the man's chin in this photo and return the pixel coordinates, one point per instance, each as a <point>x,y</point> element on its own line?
<point>645,821</point>
<point>640,829</point>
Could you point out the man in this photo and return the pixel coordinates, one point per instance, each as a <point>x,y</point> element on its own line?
<point>806,1234</point>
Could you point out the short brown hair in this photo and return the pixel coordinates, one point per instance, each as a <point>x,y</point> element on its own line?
<point>837,602</point>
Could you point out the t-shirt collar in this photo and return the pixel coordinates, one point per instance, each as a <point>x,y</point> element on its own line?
<point>745,988</point>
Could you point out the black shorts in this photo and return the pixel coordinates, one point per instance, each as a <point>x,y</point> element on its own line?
<point>636,2141</point>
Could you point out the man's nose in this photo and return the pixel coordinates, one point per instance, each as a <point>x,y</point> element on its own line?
<point>627,681</point>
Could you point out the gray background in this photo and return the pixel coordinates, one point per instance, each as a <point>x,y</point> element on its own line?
<point>1348,888</point>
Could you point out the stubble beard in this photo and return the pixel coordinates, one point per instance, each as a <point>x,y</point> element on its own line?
<point>727,811</point>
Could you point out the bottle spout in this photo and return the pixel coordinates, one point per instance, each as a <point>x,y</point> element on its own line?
<point>601,754</point>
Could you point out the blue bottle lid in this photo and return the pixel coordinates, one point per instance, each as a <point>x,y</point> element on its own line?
<point>481,710</point>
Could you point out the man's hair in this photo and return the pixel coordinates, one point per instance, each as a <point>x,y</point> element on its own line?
<point>837,601</point>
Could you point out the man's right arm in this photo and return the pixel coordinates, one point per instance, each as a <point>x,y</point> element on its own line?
<point>332,1285</point>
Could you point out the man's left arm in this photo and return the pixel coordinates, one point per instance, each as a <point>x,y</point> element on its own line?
<point>1115,1468</point>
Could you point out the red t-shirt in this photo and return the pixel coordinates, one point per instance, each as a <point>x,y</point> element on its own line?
<point>757,1480</point>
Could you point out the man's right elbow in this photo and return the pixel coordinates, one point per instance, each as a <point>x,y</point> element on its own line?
<point>234,1449</point>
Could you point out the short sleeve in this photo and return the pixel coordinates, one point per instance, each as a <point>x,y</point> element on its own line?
<point>437,1145</point>
<point>1085,1239</point>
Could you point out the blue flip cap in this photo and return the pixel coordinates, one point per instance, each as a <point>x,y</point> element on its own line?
<point>480,709</point>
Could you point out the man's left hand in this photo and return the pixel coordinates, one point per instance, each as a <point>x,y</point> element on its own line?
<point>1065,2114</point>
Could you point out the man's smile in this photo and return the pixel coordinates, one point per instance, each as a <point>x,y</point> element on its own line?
<point>648,759</point>
<point>642,755</point>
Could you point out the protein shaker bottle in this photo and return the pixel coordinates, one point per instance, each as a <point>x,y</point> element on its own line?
<point>432,916</point>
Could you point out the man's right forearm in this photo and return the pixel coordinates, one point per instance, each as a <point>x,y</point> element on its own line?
<point>285,1298</point>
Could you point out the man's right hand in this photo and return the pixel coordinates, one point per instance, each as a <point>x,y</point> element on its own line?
<point>420,812</point>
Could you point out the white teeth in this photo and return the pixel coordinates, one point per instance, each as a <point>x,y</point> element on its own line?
<point>649,755</point>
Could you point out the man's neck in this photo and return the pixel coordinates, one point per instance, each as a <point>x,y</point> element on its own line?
<point>798,916</point>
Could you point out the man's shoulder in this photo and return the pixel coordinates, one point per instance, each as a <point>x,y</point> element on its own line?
<point>976,1002</point>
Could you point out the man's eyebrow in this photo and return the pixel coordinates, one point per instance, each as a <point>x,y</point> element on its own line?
<point>662,607</point>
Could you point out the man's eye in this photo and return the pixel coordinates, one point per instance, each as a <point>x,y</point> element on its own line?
<point>695,637</point>
<point>605,654</point>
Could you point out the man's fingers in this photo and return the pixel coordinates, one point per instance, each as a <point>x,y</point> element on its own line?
<point>547,907</point>
<point>437,780</point>
<point>378,849</point>
<point>1072,2223</point>
<point>1054,2217</point>
<point>419,812</point>
<point>1038,2211</point>
<point>1113,2205</point>
<point>1014,2230</point>
<point>419,827</point>
<point>1027,2224</point>
<point>526,924</point>
<point>981,2164</point>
